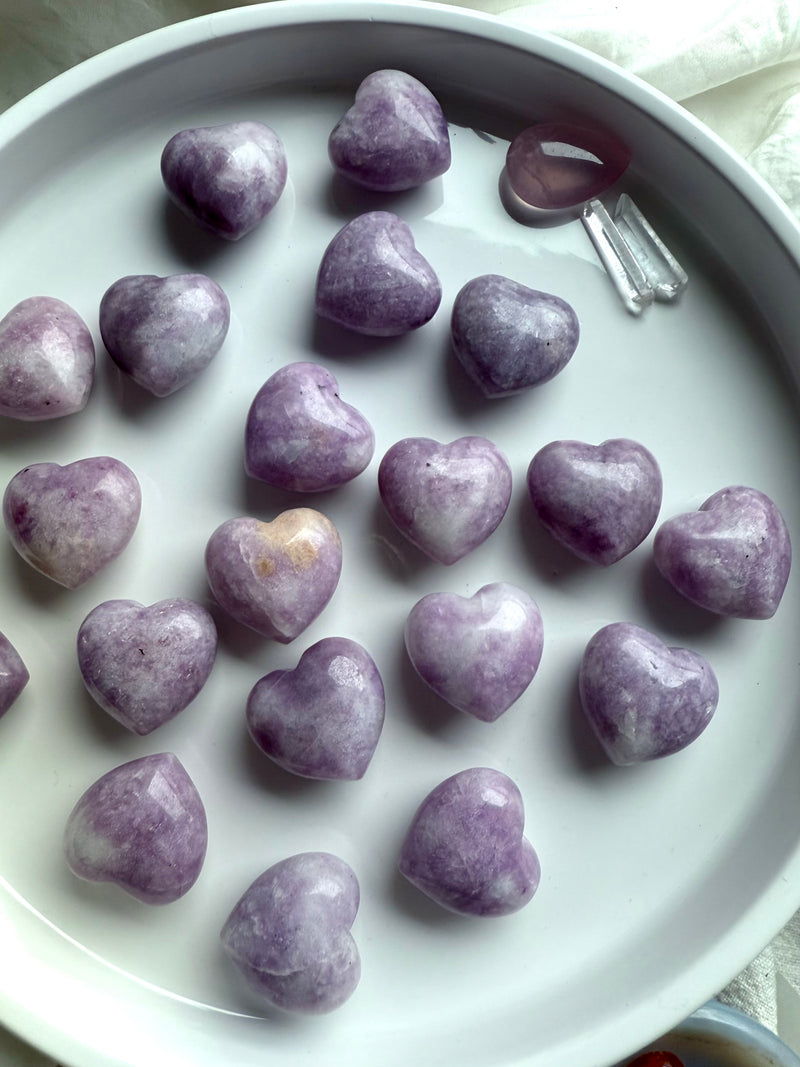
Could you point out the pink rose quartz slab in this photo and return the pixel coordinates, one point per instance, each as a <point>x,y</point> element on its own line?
<point>145,664</point>
<point>141,826</point>
<point>465,848</point>
<point>445,498</point>
<point>289,934</point>
<point>70,522</point>
<point>275,577</point>
<point>14,675</point>
<point>227,177</point>
<point>644,700</point>
<point>47,360</point>
<point>163,332</point>
<point>478,653</point>
<point>373,280</point>
<point>300,435</point>
<point>598,501</point>
<point>732,556</point>
<point>394,136</point>
<point>324,718</point>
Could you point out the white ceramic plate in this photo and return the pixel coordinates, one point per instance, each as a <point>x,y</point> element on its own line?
<point>659,882</point>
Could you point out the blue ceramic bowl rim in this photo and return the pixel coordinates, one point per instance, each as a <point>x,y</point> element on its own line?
<point>734,1025</point>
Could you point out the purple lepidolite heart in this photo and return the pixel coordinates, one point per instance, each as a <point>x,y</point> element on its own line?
<point>301,435</point>
<point>509,337</point>
<point>445,498</point>
<point>732,556</point>
<point>14,674</point>
<point>643,699</point>
<point>163,332</point>
<point>144,665</point>
<point>69,522</point>
<point>227,177</point>
<point>289,934</point>
<point>393,137</point>
<point>275,577</point>
<point>465,847</point>
<point>47,360</point>
<point>141,826</point>
<point>373,280</point>
<point>599,501</point>
<point>478,653</point>
<point>324,718</point>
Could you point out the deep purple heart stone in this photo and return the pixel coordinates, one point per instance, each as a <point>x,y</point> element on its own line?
<point>144,665</point>
<point>554,166</point>
<point>465,848</point>
<point>478,653</point>
<point>141,826</point>
<point>509,337</point>
<point>289,934</point>
<point>301,435</point>
<point>373,280</point>
<point>14,674</point>
<point>643,699</point>
<point>445,498</point>
<point>69,522</point>
<point>394,136</point>
<point>732,557</point>
<point>598,501</point>
<point>227,177</point>
<point>163,332</point>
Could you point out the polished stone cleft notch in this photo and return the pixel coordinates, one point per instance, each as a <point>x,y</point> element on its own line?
<point>558,171</point>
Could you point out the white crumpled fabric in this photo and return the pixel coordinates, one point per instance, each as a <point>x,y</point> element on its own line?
<point>735,64</point>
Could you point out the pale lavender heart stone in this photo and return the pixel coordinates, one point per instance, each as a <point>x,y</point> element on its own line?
<point>14,674</point>
<point>445,498</point>
<point>275,577</point>
<point>732,556</point>
<point>163,332</point>
<point>478,653</point>
<point>141,826</point>
<point>643,699</point>
<point>465,847</point>
<point>226,177</point>
<point>324,718</point>
<point>301,435</point>
<point>394,136</point>
<point>144,665</point>
<point>47,360</point>
<point>289,934</point>
<point>598,501</point>
<point>69,522</point>
<point>373,280</point>
<point>509,337</point>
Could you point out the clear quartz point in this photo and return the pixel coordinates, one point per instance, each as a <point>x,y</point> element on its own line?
<point>666,276</point>
<point>616,256</point>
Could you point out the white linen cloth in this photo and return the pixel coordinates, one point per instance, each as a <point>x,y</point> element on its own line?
<point>735,64</point>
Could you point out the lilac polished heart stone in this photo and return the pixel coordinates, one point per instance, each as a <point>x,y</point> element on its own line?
<point>141,826</point>
<point>732,556</point>
<point>69,522</point>
<point>445,498</point>
<point>163,332</point>
<point>643,699</point>
<point>598,501</point>
<point>394,136</point>
<point>324,718</point>
<point>144,665</point>
<point>301,435</point>
<point>14,674</point>
<point>509,337</point>
<point>554,165</point>
<point>465,847</point>
<point>289,934</point>
<point>275,577</point>
<point>46,360</point>
<point>373,280</point>
<point>226,177</point>
<point>478,653</point>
